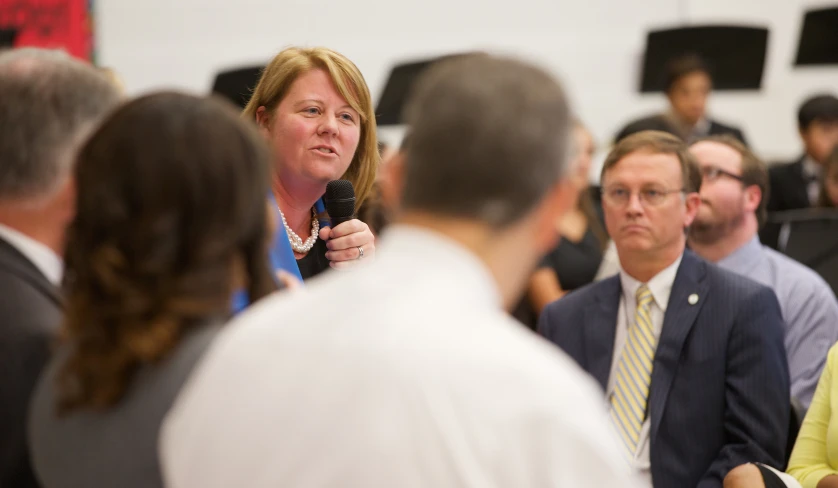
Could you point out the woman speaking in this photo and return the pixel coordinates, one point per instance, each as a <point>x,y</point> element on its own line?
<point>314,108</point>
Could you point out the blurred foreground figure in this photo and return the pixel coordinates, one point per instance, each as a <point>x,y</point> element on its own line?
<point>417,377</point>
<point>48,103</point>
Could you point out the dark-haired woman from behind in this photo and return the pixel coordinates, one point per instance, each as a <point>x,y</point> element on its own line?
<point>171,220</point>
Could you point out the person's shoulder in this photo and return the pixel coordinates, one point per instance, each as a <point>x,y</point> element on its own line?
<point>725,128</point>
<point>540,368</point>
<point>782,168</point>
<point>648,122</point>
<point>732,284</point>
<point>792,272</point>
<point>583,297</point>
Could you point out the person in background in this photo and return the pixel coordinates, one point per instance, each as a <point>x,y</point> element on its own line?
<point>575,261</point>
<point>733,200</point>
<point>314,108</point>
<point>690,356</point>
<point>419,378</point>
<point>828,197</point>
<point>796,184</point>
<point>49,102</point>
<point>813,462</point>
<point>688,87</point>
<point>171,220</point>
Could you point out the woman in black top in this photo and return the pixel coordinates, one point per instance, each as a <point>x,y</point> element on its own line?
<point>575,261</point>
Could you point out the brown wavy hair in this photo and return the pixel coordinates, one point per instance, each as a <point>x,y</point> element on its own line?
<point>171,219</point>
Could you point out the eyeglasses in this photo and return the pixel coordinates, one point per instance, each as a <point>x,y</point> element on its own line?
<point>617,196</point>
<point>712,173</point>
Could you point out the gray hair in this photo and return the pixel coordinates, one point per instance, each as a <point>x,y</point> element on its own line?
<point>48,103</point>
<point>489,137</point>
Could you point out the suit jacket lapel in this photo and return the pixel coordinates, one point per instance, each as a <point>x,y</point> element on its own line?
<point>678,321</point>
<point>600,330</point>
<point>18,264</point>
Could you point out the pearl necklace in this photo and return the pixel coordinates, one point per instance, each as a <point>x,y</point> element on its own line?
<point>296,241</point>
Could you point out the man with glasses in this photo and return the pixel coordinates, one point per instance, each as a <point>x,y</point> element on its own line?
<point>690,356</point>
<point>733,200</point>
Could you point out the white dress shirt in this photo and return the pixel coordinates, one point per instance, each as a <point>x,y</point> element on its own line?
<point>660,286</point>
<point>405,373</point>
<point>44,258</point>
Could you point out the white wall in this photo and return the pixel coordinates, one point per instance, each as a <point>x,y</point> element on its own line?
<point>595,46</point>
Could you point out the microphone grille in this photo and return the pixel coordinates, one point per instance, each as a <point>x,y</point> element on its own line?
<point>340,199</point>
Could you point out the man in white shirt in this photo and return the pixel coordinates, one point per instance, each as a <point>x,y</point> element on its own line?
<point>48,102</point>
<point>408,373</point>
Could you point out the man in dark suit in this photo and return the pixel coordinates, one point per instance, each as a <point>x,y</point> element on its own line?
<point>796,184</point>
<point>48,101</point>
<point>691,356</point>
<point>688,85</point>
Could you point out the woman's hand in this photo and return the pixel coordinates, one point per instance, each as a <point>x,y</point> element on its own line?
<point>345,243</point>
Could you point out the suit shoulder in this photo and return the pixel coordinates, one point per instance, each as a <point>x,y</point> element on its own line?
<point>725,128</point>
<point>733,284</point>
<point>25,306</point>
<point>649,122</point>
<point>782,167</point>
<point>583,296</point>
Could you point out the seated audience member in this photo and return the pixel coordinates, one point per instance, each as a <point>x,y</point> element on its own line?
<point>314,108</point>
<point>688,86</point>
<point>796,184</point>
<point>724,232</point>
<point>48,103</point>
<point>419,378</point>
<point>171,219</point>
<point>828,197</point>
<point>814,462</point>
<point>690,356</point>
<point>575,261</point>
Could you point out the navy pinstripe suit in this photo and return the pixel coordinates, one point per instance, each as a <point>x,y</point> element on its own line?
<point>720,386</point>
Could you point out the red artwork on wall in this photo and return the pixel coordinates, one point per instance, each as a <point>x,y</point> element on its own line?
<point>55,24</point>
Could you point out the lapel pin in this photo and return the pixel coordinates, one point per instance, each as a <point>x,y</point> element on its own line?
<point>692,299</point>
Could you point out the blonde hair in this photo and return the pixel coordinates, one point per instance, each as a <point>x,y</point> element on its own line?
<point>292,62</point>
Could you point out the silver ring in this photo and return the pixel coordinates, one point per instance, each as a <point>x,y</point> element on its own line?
<point>360,252</point>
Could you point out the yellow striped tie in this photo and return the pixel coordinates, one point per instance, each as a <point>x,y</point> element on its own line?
<point>634,374</point>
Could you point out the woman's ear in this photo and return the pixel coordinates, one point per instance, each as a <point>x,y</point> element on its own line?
<point>262,118</point>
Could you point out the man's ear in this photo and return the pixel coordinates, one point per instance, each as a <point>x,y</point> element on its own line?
<point>392,180</point>
<point>753,197</point>
<point>692,202</point>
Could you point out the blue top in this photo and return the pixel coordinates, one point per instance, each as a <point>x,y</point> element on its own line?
<point>280,253</point>
<point>808,305</point>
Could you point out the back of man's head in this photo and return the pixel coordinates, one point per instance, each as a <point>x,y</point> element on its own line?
<point>488,140</point>
<point>48,103</point>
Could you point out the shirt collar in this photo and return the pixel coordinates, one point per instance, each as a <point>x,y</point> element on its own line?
<point>811,168</point>
<point>743,259</point>
<point>700,129</point>
<point>416,246</point>
<point>660,285</point>
<point>44,258</point>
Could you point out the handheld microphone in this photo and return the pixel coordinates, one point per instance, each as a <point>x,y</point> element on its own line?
<point>340,201</point>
